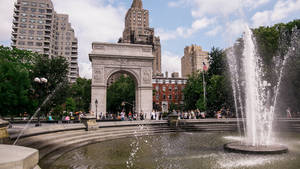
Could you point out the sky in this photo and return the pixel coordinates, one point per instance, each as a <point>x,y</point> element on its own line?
<point>179,23</point>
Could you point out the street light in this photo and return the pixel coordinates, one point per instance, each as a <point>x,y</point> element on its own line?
<point>40,81</point>
<point>96,103</point>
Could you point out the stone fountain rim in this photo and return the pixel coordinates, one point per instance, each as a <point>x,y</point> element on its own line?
<point>237,147</point>
<point>3,123</point>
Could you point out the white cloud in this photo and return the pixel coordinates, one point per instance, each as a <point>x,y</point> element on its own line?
<point>166,34</point>
<point>93,20</point>
<point>171,62</point>
<point>281,10</point>
<point>235,29</point>
<point>202,8</point>
<point>214,7</point>
<point>261,18</point>
<point>186,32</point>
<point>6,17</point>
<point>214,31</point>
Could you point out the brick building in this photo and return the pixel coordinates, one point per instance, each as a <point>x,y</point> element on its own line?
<point>167,91</point>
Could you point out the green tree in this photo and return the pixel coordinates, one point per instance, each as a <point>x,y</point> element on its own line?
<point>55,70</point>
<point>218,86</point>
<point>81,93</point>
<point>15,81</point>
<point>217,62</point>
<point>193,91</point>
<point>122,90</point>
<point>14,89</point>
<point>70,105</point>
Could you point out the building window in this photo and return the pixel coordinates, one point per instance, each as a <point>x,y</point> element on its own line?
<point>164,88</point>
<point>157,88</point>
<point>170,97</point>
<point>40,32</point>
<point>42,5</point>
<point>30,43</point>
<point>33,9</point>
<point>23,20</point>
<point>170,88</point>
<point>23,31</point>
<point>164,97</point>
<point>176,97</point>
<point>31,32</point>
<point>157,97</point>
<point>38,38</point>
<point>23,14</point>
<point>39,44</point>
<point>33,4</point>
<point>30,38</point>
<point>42,10</point>
<point>24,9</point>
<point>25,3</point>
<point>32,15</point>
<point>22,25</point>
<point>21,43</point>
<point>40,27</point>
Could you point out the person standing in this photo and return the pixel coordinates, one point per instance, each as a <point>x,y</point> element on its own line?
<point>142,115</point>
<point>288,113</point>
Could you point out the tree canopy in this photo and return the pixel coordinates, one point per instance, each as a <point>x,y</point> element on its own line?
<point>123,90</point>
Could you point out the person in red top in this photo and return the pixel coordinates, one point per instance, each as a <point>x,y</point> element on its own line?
<point>130,116</point>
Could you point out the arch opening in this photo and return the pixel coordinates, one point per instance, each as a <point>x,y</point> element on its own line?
<point>122,93</point>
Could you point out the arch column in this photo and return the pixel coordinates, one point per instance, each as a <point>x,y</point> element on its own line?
<point>99,93</point>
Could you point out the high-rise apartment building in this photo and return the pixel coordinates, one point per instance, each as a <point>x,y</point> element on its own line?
<point>194,59</point>
<point>137,31</point>
<point>38,28</point>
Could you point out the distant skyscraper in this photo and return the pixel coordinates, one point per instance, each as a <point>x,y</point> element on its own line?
<point>38,28</point>
<point>137,31</point>
<point>194,59</point>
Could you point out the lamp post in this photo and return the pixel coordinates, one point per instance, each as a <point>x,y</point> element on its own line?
<point>96,103</point>
<point>40,81</point>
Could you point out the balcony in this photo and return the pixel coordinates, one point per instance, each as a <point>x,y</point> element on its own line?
<point>15,21</point>
<point>14,33</point>
<point>16,16</point>
<point>49,10</point>
<point>14,38</point>
<point>17,4</point>
<point>74,57</point>
<point>74,53</point>
<point>16,10</point>
<point>48,27</point>
<point>74,61</point>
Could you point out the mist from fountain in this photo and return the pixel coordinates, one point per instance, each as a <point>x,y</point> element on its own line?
<point>37,111</point>
<point>255,97</point>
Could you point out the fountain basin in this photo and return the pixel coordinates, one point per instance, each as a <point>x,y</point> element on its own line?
<point>238,147</point>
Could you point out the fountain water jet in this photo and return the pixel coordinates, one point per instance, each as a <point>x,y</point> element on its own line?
<point>259,106</point>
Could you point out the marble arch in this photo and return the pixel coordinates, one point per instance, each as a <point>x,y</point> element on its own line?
<point>135,60</point>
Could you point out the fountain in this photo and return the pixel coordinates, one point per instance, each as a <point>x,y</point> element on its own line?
<point>3,131</point>
<point>260,100</point>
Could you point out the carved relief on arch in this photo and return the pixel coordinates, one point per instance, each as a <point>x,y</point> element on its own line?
<point>147,76</point>
<point>98,75</point>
